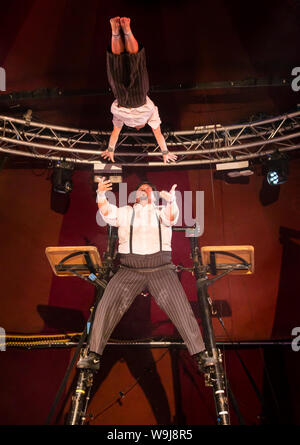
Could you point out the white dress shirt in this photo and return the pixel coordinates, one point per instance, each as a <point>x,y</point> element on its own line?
<point>134,117</point>
<point>145,233</point>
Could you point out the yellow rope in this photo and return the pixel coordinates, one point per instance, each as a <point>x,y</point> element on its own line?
<point>72,334</point>
<point>34,340</point>
<point>27,340</point>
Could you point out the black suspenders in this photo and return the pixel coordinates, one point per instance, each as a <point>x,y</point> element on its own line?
<point>131,231</point>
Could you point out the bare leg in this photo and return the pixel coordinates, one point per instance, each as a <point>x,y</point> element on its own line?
<point>131,45</point>
<point>117,44</point>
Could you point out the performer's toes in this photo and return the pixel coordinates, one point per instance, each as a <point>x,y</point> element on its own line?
<point>115,25</point>
<point>125,23</point>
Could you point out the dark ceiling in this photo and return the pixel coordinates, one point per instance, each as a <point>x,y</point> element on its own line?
<point>60,45</point>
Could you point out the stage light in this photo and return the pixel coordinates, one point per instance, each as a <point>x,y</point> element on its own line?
<point>277,169</point>
<point>273,178</point>
<point>62,177</point>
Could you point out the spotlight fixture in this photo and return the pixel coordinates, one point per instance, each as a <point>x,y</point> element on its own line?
<point>62,177</point>
<point>276,169</point>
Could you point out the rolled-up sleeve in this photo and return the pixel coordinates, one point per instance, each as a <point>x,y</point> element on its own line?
<point>165,215</point>
<point>117,121</point>
<point>154,120</point>
<point>112,217</point>
<point>117,216</point>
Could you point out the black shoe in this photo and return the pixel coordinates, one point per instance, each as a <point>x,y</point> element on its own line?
<point>91,361</point>
<point>204,361</point>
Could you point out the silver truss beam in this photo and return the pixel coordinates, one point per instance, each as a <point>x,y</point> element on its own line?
<point>204,145</point>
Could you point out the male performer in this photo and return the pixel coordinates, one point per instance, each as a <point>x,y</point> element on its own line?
<point>128,78</point>
<point>145,233</point>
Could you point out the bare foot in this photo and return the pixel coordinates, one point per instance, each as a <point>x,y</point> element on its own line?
<point>115,25</point>
<point>125,23</point>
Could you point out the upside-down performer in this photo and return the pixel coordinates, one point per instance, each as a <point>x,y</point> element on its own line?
<point>145,233</point>
<point>128,78</point>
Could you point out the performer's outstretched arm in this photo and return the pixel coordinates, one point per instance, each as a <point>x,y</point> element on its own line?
<point>109,152</point>
<point>107,210</point>
<point>167,156</point>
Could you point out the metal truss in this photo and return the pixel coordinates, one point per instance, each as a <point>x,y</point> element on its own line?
<point>209,144</point>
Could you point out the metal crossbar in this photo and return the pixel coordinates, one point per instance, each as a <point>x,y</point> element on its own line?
<point>208,144</point>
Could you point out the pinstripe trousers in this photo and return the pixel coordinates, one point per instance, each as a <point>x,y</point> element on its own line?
<point>128,77</point>
<point>163,285</point>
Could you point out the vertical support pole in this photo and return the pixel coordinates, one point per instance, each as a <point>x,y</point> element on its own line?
<point>81,395</point>
<point>215,375</point>
<point>80,398</point>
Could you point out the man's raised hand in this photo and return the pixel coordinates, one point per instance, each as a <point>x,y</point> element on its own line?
<point>104,185</point>
<point>169,196</point>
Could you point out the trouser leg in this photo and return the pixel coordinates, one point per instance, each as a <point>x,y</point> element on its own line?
<point>119,294</point>
<point>128,77</point>
<point>168,292</point>
<point>117,74</point>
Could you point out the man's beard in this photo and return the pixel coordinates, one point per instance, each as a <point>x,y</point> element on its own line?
<point>143,198</point>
